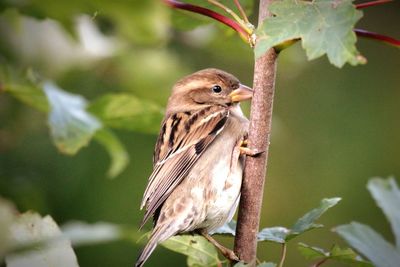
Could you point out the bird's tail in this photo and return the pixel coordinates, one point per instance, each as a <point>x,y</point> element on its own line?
<point>157,236</point>
<point>146,252</point>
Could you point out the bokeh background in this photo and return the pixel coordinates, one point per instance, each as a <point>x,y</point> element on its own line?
<point>333,128</point>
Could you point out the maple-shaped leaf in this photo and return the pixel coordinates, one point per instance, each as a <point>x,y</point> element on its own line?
<point>324,27</point>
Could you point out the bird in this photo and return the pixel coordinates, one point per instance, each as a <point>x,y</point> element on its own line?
<point>198,159</point>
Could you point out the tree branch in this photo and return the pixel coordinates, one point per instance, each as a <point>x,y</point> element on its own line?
<point>259,138</point>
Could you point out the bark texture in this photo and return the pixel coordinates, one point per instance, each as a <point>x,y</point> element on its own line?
<point>259,138</point>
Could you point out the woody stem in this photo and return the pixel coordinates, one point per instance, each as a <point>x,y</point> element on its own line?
<point>259,137</point>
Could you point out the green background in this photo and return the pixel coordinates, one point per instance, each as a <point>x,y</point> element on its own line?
<point>333,128</point>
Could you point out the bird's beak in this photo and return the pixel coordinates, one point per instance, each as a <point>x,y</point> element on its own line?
<point>242,93</point>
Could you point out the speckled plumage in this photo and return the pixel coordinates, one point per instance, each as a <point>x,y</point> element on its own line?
<point>197,175</point>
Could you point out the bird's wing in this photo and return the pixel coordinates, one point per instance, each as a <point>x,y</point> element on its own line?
<point>182,140</point>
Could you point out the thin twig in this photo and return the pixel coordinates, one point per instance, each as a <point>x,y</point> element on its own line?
<point>212,14</point>
<point>242,12</point>
<point>283,255</point>
<point>377,36</point>
<point>233,14</point>
<point>372,3</point>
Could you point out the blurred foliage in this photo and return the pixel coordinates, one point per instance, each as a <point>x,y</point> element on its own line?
<point>368,242</point>
<point>71,127</point>
<point>23,236</point>
<point>29,239</point>
<point>125,111</point>
<point>332,128</point>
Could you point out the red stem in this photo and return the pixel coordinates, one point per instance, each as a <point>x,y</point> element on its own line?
<point>377,36</point>
<point>372,3</point>
<point>209,13</point>
<point>318,264</point>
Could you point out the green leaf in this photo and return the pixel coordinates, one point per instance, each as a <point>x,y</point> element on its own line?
<point>71,127</point>
<point>119,156</point>
<point>324,26</point>
<point>125,111</point>
<point>31,227</point>
<point>369,243</point>
<point>200,252</point>
<point>387,196</point>
<point>274,234</point>
<point>22,88</point>
<point>30,95</point>
<point>345,255</point>
<point>226,229</point>
<point>312,253</point>
<point>307,222</point>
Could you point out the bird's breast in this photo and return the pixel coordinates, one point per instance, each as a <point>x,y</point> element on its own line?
<point>225,169</point>
<point>225,185</point>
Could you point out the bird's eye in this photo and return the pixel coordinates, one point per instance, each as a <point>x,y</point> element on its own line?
<point>216,89</point>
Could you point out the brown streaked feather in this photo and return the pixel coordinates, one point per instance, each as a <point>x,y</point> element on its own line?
<point>183,139</point>
<point>165,142</point>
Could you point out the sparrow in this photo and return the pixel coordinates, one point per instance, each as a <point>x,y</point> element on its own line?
<point>198,159</point>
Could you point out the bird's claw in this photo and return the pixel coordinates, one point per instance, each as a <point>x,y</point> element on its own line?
<point>244,150</point>
<point>226,252</point>
<point>230,255</point>
<point>252,152</point>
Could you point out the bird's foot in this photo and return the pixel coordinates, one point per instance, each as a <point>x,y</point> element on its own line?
<point>252,152</point>
<point>226,252</point>
<point>244,150</point>
<point>244,143</point>
<point>230,255</point>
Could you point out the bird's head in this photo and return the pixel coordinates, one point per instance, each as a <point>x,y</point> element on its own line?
<point>207,87</point>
